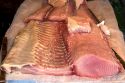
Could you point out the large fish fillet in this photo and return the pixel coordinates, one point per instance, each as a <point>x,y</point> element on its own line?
<point>49,47</point>
<point>92,55</point>
<point>91,52</point>
<point>40,49</point>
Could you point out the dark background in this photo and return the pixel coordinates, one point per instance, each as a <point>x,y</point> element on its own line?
<point>8,9</point>
<point>119,8</point>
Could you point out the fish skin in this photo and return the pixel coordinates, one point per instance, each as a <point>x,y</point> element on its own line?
<point>78,24</point>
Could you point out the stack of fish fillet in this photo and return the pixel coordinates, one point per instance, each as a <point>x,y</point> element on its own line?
<point>62,40</point>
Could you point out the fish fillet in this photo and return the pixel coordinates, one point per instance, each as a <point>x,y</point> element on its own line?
<point>44,53</point>
<point>92,55</point>
<point>62,41</point>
